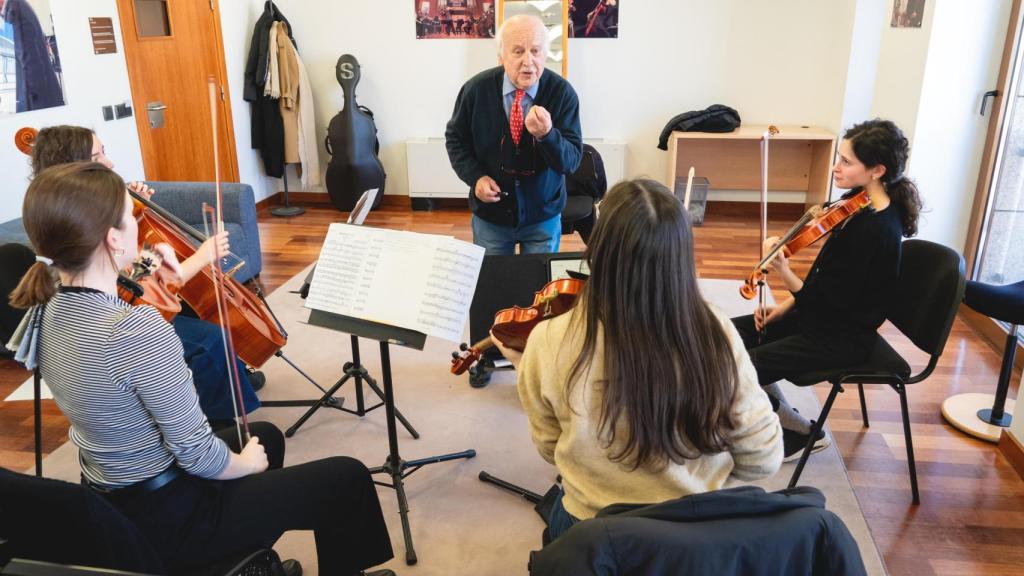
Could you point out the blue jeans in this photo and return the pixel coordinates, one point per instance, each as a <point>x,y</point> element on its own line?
<point>559,520</point>
<point>204,354</point>
<point>539,238</point>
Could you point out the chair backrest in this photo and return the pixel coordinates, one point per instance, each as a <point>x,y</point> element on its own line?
<point>590,178</point>
<point>931,286</point>
<point>15,260</point>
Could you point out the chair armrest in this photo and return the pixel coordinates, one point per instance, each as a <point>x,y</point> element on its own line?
<point>185,200</point>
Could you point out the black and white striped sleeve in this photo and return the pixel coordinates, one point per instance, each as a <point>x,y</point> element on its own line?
<point>146,357</point>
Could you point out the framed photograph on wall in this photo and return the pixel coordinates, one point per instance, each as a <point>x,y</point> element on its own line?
<point>907,13</point>
<point>454,19</point>
<point>30,71</point>
<point>594,18</point>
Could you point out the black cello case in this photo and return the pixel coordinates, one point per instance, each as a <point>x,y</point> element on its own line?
<point>353,145</point>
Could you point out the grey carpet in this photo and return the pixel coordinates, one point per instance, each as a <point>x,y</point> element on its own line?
<point>459,524</point>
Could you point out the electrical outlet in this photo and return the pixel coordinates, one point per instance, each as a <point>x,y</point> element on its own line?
<point>108,113</point>
<point>123,110</point>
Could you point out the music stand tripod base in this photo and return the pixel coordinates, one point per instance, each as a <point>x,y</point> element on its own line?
<point>394,466</point>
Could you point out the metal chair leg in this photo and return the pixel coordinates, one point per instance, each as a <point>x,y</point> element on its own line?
<point>819,425</point>
<point>902,390</point>
<point>863,406</point>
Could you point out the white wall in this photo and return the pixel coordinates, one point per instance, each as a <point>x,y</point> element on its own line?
<point>901,66</point>
<point>962,64</point>
<point>91,81</point>
<point>782,62</point>
<point>862,70</point>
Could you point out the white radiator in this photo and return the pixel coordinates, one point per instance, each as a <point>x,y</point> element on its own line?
<point>431,175</point>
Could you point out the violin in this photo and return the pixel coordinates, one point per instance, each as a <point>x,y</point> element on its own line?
<point>512,326</point>
<point>808,230</point>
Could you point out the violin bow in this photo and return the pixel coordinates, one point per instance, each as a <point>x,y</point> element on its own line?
<point>216,214</point>
<point>762,285</point>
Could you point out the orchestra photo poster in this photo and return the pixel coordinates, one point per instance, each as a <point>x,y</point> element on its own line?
<point>593,18</point>
<point>458,19</point>
<point>907,13</point>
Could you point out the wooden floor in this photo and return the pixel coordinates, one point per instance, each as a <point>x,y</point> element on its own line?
<point>971,517</point>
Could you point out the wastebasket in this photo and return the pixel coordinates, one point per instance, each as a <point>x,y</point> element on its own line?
<point>698,197</point>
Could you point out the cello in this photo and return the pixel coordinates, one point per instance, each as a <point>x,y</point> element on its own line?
<point>512,326</point>
<point>147,283</point>
<point>352,143</point>
<point>257,334</point>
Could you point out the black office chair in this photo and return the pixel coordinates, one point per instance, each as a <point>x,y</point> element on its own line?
<point>982,415</point>
<point>928,294</point>
<point>584,188</point>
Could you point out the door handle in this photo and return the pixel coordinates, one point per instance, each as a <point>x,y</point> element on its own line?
<point>155,113</point>
<point>985,97</point>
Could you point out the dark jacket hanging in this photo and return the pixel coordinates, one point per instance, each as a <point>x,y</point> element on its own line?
<point>267,127</point>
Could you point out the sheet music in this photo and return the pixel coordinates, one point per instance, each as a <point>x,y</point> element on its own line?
<point>422,282</point>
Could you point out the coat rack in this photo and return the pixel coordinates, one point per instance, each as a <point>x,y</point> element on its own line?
<point>287,209</point>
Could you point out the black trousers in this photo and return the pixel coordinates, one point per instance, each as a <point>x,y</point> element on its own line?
<point>194,522</point>
<point>792,347</point>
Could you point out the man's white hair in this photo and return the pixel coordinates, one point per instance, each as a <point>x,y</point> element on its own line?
<point>522,19</point>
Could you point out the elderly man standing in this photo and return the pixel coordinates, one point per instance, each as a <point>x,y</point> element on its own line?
<point>513,137</point>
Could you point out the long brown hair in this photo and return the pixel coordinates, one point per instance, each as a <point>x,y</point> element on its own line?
<point>669,373</point>
<point>67,213</point>
<point>60,145</point>
<point>882,142</point>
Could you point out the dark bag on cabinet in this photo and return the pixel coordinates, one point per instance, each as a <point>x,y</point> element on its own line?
<point>715,118</point>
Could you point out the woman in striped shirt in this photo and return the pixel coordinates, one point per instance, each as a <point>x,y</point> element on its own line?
<point>118,374</point>
<point>202,343</point>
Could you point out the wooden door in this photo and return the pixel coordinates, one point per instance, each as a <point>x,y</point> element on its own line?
<point>172,47</point>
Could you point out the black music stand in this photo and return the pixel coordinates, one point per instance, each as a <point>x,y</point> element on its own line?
<point>393,465</point>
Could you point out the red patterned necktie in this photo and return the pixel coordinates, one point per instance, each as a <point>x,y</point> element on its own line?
<point>515,117</point>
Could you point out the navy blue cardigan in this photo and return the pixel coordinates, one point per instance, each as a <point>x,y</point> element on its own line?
<point>473,139</point>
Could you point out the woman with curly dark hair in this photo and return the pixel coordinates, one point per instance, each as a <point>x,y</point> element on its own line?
<point>834,313</point>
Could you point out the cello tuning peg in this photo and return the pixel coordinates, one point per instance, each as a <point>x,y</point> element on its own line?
<point>463,346</point>
<point>455,354</point>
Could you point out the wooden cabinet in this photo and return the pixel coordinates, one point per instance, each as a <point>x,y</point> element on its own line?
<point>799,159</point>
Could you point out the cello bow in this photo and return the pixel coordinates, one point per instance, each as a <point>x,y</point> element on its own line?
<point>214,221</point>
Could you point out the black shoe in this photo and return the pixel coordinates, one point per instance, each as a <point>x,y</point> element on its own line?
<point>256,378</point>
<point>291,568</point>
<point>793,443</point>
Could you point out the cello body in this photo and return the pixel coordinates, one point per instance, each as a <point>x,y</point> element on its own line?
<point>352,142</point>
<point>256,334</point>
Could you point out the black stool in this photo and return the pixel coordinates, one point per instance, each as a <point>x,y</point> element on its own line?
<point>971,413</point>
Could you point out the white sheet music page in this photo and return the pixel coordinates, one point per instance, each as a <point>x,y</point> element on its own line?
<point>422,282</point>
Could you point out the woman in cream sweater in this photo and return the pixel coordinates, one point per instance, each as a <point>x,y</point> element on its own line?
<point>643,392</point>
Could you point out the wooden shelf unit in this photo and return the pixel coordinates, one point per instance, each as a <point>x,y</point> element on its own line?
<point>799,159</point>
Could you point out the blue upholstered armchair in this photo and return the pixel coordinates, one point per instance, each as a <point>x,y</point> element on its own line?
<point>185,200</point>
